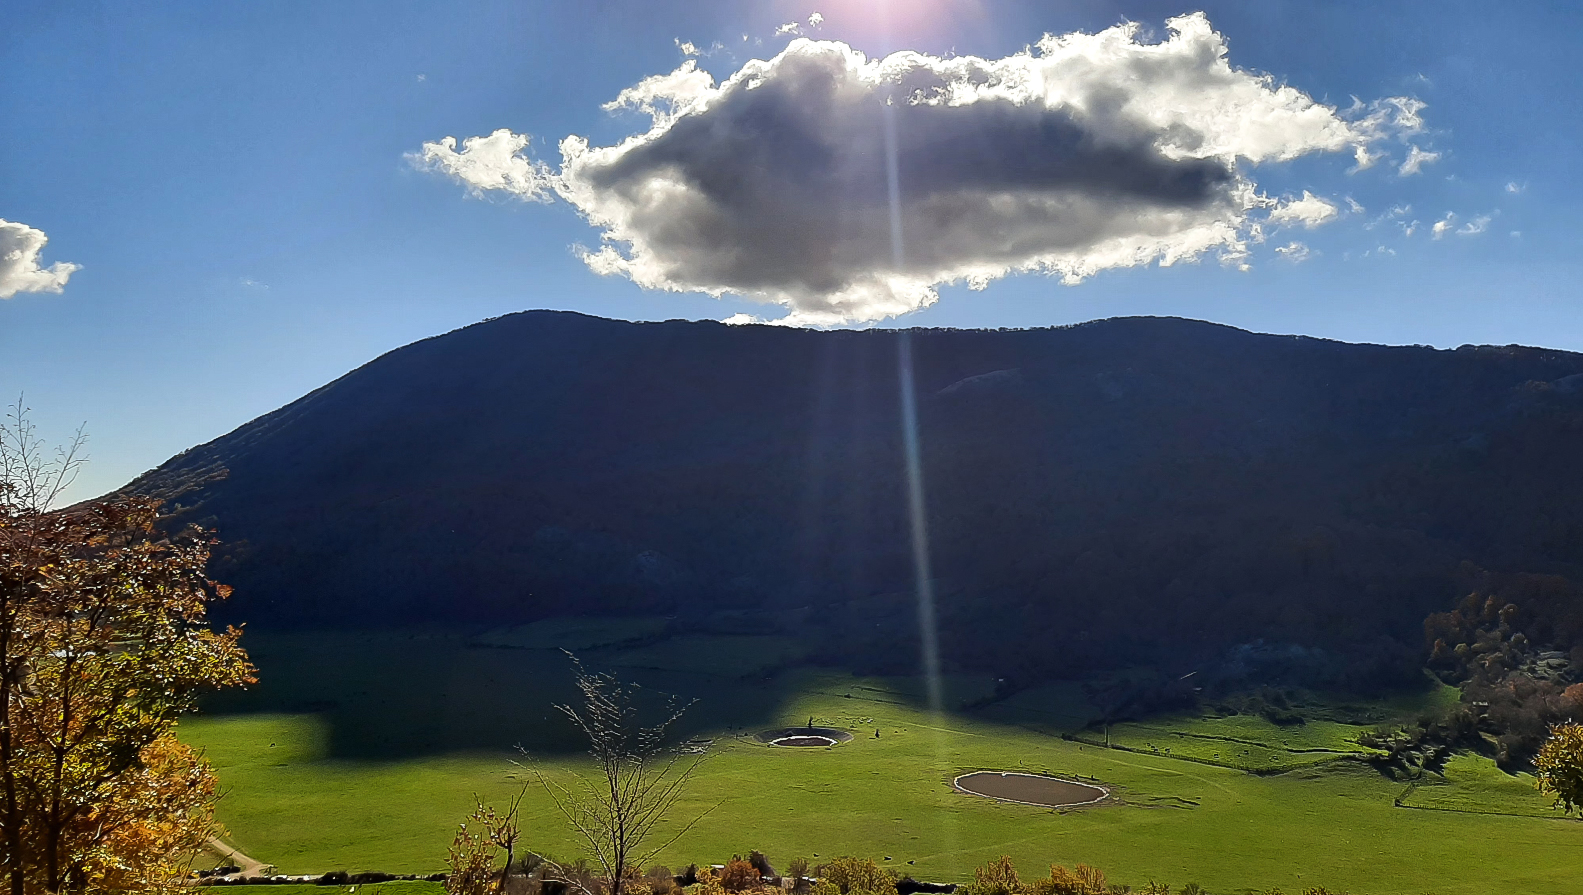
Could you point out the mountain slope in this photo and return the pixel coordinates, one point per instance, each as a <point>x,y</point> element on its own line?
<point>1095,493</point>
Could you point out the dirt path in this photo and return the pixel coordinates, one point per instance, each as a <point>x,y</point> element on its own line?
<point>250,866</point>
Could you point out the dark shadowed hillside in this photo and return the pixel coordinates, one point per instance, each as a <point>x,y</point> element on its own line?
<point>1097,493</point>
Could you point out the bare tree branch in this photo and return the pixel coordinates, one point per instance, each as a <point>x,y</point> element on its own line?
<point>616,809</point>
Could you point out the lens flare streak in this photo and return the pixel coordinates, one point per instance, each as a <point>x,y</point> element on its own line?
<point>927,630</point>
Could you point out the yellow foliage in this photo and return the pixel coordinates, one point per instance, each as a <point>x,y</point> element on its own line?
<point>1560,766</point>
<point>475,850</point>
<point>857,875</point>
<point>995,878</point>
<point>825,887</point>
<point>1085,880</point>
<point>157,818</point>
<point>708,883</point>
<point>105,641</point>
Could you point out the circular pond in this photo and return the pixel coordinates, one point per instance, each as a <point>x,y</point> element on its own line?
<point>1030,789</point>
<point>804,736</point>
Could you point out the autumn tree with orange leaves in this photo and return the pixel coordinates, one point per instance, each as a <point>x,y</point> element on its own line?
<point>103,643</point>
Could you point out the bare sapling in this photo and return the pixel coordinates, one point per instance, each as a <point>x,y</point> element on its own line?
<point>638,777</point>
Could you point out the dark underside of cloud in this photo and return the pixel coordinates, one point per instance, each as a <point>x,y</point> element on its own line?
<point>795,185</point>
<point>846,189</point>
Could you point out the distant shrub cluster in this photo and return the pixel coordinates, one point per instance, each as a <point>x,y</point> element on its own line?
<point>1497,643</point>
<point>844,875</point>
<point>999,877</point>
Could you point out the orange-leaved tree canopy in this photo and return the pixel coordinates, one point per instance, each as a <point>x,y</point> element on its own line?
<point>103,643</point>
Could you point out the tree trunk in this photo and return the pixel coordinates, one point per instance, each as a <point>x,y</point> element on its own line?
<point>52,845</point>
<point>11,818</point>
<point>52,839</point>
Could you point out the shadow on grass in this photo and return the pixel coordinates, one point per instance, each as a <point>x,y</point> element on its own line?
<point>397,694</point>
<point>401,694</point>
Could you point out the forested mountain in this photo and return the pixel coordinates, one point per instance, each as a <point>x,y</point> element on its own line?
<point>1123,489</point>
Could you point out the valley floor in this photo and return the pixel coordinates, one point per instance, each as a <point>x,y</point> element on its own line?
<point>363,752</point>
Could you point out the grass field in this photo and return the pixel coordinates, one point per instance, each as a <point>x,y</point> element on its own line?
<point>404,887</point>
<point>363,753</point>
<point>1475,785</point>
<point>575,634</point>
<point>1238,741</point>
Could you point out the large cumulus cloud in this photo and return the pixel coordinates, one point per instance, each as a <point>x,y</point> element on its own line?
<point>847,189</point>
<point>20,246</point>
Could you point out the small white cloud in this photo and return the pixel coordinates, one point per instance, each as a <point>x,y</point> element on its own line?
<point>1393,116</point>
<point>1398,214</point>
<point>1397,114</point>
<point>815,20</point>
<point>1384,250</point>
<point>789,28</point>
<point>1309,211</point>
<point>422,77</point>
<point>1295,252</point>
<point>1443,225</point>
<point>1401,113</point>
<point>1393,214</point>
<point>664,97</point>
<point>1514,187</point>
<point>1364,158</point>
<point>250,283</point>
<point>1416,159</point>
<point>495,162</point>
<point>688,48</point>
<point>20,246</point>
<point>1475,226</point>
<point>1517,234</point>
<point>1353,206</point>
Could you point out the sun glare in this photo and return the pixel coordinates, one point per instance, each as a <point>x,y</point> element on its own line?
<point>893,22</point>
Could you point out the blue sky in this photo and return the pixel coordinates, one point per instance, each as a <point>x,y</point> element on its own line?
<point>237,184</point>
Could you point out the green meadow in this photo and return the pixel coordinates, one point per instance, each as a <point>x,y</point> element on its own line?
<point>363,751</point>
<point>399,887</point>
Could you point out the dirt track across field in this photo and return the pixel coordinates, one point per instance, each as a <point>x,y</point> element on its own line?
<point>249,866</point>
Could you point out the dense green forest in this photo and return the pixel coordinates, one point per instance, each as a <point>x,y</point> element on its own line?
<point>1131,491</point>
